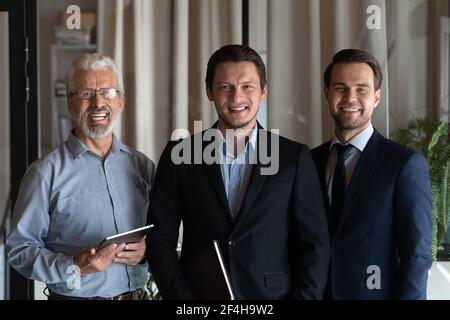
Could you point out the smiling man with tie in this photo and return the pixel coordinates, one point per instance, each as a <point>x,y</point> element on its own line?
<point>379,198</point>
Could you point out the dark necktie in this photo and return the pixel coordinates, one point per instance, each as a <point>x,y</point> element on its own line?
<point>338,188</point>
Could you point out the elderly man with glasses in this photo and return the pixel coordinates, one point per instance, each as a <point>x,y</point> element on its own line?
<point>90,187</point>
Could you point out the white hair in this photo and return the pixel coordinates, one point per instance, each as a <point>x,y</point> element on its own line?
<point>93,61</point>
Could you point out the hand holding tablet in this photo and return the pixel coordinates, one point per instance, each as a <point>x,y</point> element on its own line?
<point>126,237</point>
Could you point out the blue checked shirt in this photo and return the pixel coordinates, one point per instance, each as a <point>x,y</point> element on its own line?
<point>236,172</point>
<point>72,199</point>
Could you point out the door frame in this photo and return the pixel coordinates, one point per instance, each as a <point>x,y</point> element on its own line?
<point>24,137</point>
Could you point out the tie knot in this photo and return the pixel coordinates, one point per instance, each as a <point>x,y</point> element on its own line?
<point>342,150</point>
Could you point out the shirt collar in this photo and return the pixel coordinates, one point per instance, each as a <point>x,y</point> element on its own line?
<point>251,144</point>
<point>252,138</point>
<point>359,141</point>
<point>77,147</point>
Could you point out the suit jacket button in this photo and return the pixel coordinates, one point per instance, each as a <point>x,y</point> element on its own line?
<point>231,243</point>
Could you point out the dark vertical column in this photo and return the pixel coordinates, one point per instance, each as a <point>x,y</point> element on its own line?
<point>33,145</point>
<point>23,111</point>
<point>245,22</point>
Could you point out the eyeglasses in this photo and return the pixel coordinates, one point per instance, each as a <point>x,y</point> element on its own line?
<point>88,94</point>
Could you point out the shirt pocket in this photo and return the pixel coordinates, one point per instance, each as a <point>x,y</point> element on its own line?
<point>135,201</point>
<point>76,219</point>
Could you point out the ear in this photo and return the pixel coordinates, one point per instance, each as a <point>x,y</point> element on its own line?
<point>69,104</point>
<point>325,91</point>
<point>264,92</point>
<point>377,98</point>
<point>122,102</point>
<point>209,93</point>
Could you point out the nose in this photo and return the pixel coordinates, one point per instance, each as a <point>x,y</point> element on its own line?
<point>350,95</point>
<point>97,100</point>
<point>238,95</point>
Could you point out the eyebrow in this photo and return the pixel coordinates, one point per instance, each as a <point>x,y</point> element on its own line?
<point>365,85</point>
<point>251,81</point>
<point>222,82</point>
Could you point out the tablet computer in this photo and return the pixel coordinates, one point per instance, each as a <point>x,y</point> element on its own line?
<point>126,237</point>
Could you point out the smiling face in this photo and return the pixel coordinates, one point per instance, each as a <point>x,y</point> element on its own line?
<point>237,94</point>
<point>351,98</point>
<point>94,117</point>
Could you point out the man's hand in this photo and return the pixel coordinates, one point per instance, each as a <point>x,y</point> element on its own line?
<point>133,253</point>
<point>89,260</point>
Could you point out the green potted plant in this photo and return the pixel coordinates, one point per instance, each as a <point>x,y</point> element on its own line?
<point>431,137</point>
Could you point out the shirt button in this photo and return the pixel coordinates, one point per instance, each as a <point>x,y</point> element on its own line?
<point>231,243</point>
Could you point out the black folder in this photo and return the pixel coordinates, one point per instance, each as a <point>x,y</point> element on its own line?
<point>207,275</point>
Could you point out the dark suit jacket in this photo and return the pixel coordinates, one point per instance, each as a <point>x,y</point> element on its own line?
<point>386,222</point>
<point>277,248</point>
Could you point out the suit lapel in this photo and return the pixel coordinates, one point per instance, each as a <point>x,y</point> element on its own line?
<point>254,187</point>
<point>321,160</point>
<point>215,177</point>
<point>216,180</point>
<point>320,156</point>
<point>256,180</point>
<point>369,160</point>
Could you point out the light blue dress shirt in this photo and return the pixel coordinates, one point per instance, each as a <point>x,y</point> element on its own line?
<point>72,199</point>
<point>359,142</point>
<point>236,171</point>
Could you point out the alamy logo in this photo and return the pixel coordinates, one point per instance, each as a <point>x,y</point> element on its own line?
<point>74,280</point>
<point>374,20</point>
<point>184,153</point>
<point>374,279</point>
<point>73,20</point>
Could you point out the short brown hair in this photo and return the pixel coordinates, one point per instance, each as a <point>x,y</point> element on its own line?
<point>354,56</point>
<point>235,53</point>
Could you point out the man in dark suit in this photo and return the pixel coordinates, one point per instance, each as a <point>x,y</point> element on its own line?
<point>379,207</point>
<point>270,224</point>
